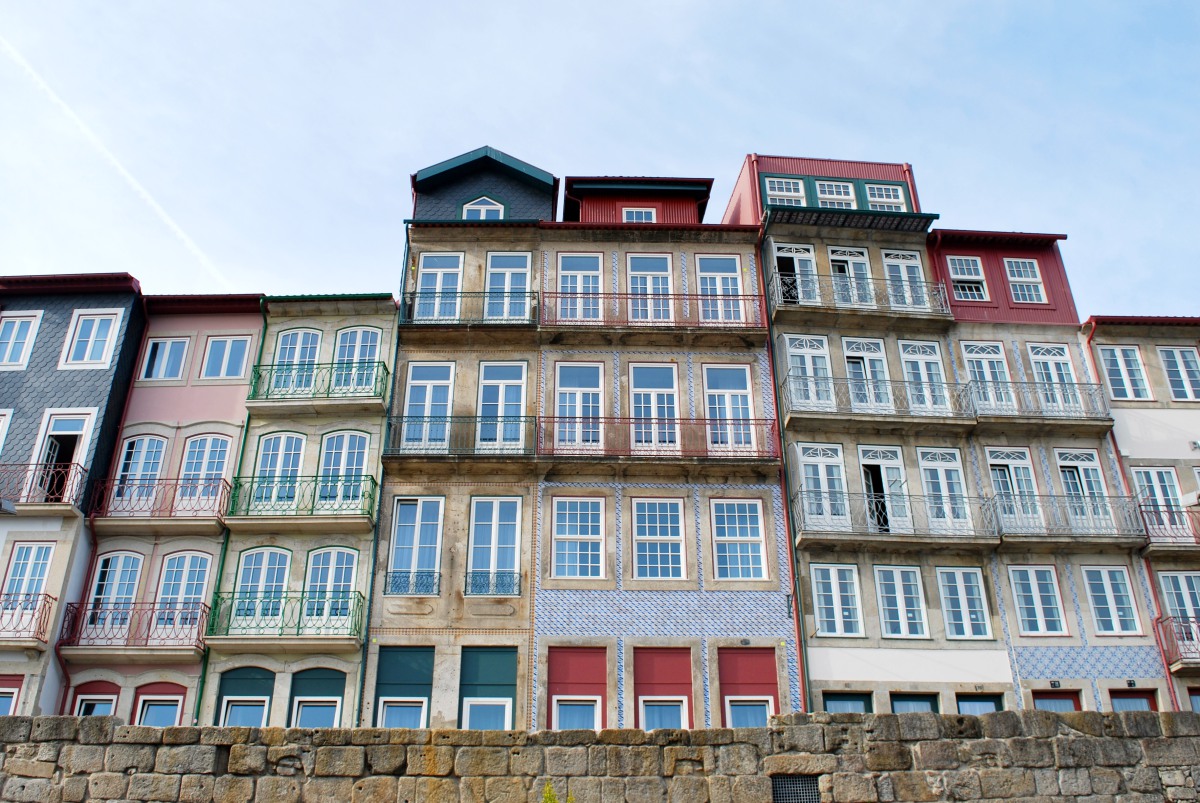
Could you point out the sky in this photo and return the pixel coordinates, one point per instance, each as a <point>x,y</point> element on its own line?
<point>226,146</point>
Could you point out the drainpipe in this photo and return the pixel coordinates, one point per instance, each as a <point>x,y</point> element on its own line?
<point>204,660</point>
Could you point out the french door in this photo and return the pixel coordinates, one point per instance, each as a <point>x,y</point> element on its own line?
<point>577,407</point>
<point>885,494</point>
<point>809,384</point>
<point>990,382</point>
<point>823,500</point>
<point>258,606</point>
<point>200,480</point>
<point>867,373</point>
<point>851,277</point>
<point>295,358</point>
<point>275,482</point>
<point>180,595</point>
<point>1017,502</point>
<point>343,461</point>
<point>357,356</point>
<point>427,406</point>
<point>945,498</point>
<point>1056,389</point>
<point>925,382</point>
<point>328,590</point>
<point>655,408</point>
<point>501,425</point>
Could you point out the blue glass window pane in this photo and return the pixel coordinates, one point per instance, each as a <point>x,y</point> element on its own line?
<point>402,715</point>
<point>577,716</point>
<point>663,715</point>
<point>160,714</point>
<point>748,715</point>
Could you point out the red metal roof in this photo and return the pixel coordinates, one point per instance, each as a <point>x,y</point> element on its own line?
<point>204,304</point>
<point>834,168</point>
<point>70,283</point>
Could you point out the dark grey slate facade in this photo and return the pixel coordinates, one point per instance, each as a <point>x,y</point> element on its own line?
<point>521,200</point>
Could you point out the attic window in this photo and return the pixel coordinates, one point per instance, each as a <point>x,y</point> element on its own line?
<point>483,208</point>
<point>640,215</point>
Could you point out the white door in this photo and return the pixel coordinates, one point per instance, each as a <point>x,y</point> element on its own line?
<point>200,480</point>
<point>275,482</point>
<point>507,287</point>
<point>357,358</point>
<point>945,498</point>
<point>824,505</point>
<point>905,281</point>
<point>720,289</point>
<point>110,609</point>
<point>328,590</point>
<point>427,407</point>
<point>1056,389</point>
<point>796,273</point>
<point>259,604</point>
<point>1088,509</point>
<point>438,287</point>
<point>727,396</point>
<point>809,384</point>
<point>578,425</point>
<point>650,289</point>
<point>295,359</point>
<point>655,426</point>
<point>867,376</point>
<point>990,382</point>
<point>180,597</point>
<point>501,425</point>
<point>24,588</point>
<point>579,284</point>
<point>58,477</point>
<point>137,478</point>
<point>1017,504</point>
<point>851,277</point>
<point>924,380</point>
<point>885,494</point>
<point>343,458</point>
<point>1158,491</point>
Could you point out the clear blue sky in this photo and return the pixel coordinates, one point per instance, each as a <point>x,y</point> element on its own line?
<point>267,146</point>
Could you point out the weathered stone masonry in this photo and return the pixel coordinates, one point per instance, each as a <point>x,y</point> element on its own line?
<point>1030,756</point>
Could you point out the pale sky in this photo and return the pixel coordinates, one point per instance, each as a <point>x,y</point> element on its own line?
<point>233,146</point>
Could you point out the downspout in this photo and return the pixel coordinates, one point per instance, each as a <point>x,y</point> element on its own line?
<point>204,660</point>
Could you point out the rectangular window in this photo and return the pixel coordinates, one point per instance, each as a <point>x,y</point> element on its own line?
<point>1058,701</point>
<point>638,215</point>
<point>225,358</point>
<point>18,330</point>
<point>580,282</point>
<point>1123,368</point>
<point>1183,372</point>
<point>316,712</point>
<point>729,407</point>
<point>1025,281</point>
<point>487,713</point>
<point>507,287</point>
<point>577,713</point>
<point>426,422</point>
<point>577,683</point>
<point>91,339</point>
<point>720,289</point>
<point>159,712</point>
<point>658,539</point>
<point>402,712</point>
<point>966,279</point>
<point>964,604</point>
<point>403,685</point>
<point>785,192</point>
<point>655,408</point>
<point>901,601</point>
<point>494,565</point>
<point>885,198</point>
<point>914,703</point>
<point>579,538</point>
<point>487,688</point>
<point>416,548</point>
<point>748,685</point>
<point>438,287</point>
<point>1039,606</point>
<point>847,702</point>
<point>8,701</point>
<point>1111,599</point>
<point>738,540</point>
<point>95,705</point>
<point>835,600</point>
<point>244,712</point>
<point>835,194</point>
<point>1133,700</point>
<point>1161,508</point>
<point>650,299</point>
<point>663,712</point>
<point>748,712</point>
<point>976,705</point>
<point>1194,699</point>
<point>578,425</point>
<point>164,359</point>
<point>501,424</point>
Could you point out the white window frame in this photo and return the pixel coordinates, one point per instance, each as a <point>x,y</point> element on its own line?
<point>760,541</point>
<point>500,421</point>
<point>506,295</point>
<point>1124,375</point>
<point>650,300</point>
<point>983,598</point>
<point>836,199</point>
<point>441,520</point>
<point>1034,282</point>
<point>747,698</point>
<point>227,339</point>
<point>1190,391</point>
<point>783,193</point>
<point>5,418</point>
<point>955,274</point>
<point>266,707</point>
<point>65,363</point>
<point>683,559</point>
<point>492,205</point>
<point>384,702</point>
<point>35,318</point>
<point>95,698</point>
<point>298,701</point>
<point>554,538</point>
<point>494,549</point>
<point>579,421</point>
<point>88,414</point>
<point>1109,597</point>
<point>1041,613</point>
<point>577,698</point>
<point>684,719</point>
<point>13,694</point>
<point>878,204</point>
<point>649,213</point>
<point>839,630</point>
<point>438,295</point>
<point>168,342</point>
<point>468,702</point>
<point>901,605</point>
<point>158,698</point>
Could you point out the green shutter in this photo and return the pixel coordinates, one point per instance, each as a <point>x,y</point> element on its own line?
<point>487,672</point>
<point>404,672</point>
<point>248,681</point>
<point>316,683</point>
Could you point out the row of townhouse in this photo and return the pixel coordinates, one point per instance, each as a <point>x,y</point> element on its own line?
<point>614,468</point>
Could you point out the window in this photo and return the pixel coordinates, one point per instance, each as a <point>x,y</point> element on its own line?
<point>403,686</point>
<point>328,588</point>
<point>720,289</point>
<point>1133,700</point>
<point>225,358</point>
<point>426,422</point>
<point>180,595</point>
<point>578,425</point>
<point>576,713</point>
<point>416,548</point>
<point>658,539</point>
<point>1025,281</point>
<point>494,567</point>
<point>824,504</point>
<point>244,712</point>
<point>847,702</point>
<point>1087,504</point>
<point>851,271</point>
<point>357,355</point>
<point>200,478</point>
<point>966,279</point>
<point>507,282</point>
<point>976,705</point>
<point>278,472</point>
<point>316,712</point>
<point>663,712</point>
<point>343,473</point>
<point>990,384</point>
<point>295,358</point>
<point>652,396</point>
<point>914,703</point>
<point>261,581</point>
<point>483,208</point>
<point>1181,593</point>
<point>159,712</point>
<point>91,339</point>
<point>63,441</point>
<point>738,540</point>
<point>5,418</point>
<point>906,286</point>
<point>116,585</point>
<point>925,382</point>
<point>95,705</point>
<point>141,461</point>
<point>835,194</point>
<point>942,482</point>
<point>885,198</point>
<point>27,575</point>
<point>18,330</point>
<point>1159,492</point>
<point>866,369</point>
<point>964,605</point>
<point>579,284</point>
<point>748,712</point>
<point>785,192</point>
<point>809,386</point>
<point>835,600</point>
<point>650,298</point>
<point>1039,606</point>
<point>438,279</point>
<point>1183,372</point>
<point>402,712</point>
<point>1194,699</point>
<point>8,701</point>
<point>1123,367</point>
<point>727,400</point>
<point>1058,701</point>
<point>579,538</point>
<point>1109,593</point>
<point>901,601</point>
<point>164,359</point>
<point>795,281</point>
<point>501,425</point>
<point>638,215</point>
<point>487,713</point>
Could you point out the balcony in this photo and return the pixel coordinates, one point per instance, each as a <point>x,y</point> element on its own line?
<point>1180,638</point>
<point>896,520</point>
<point>876,404</point>
<point>25,620</point>
<point>847,300</point>
<point>319,387</point>
<point>278,622</point>
<point>56,484</point>
<point>493,584</point>
<point>133,632</point>
<point>413,584</point>
<point>663,440</point>
<point>188,506</point>
<point>462,436</point>
<point>303,504</point>
<point>1040,406</point>
<point>496,308</point>
<point>1057,522</point>
<point>652,311</point>
<point>1171,529</point>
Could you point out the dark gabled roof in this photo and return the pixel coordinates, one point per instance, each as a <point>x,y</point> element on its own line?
<point>442,172</point>
<point>577,186</point>
<point>204,304</point>
<point>69,283</point>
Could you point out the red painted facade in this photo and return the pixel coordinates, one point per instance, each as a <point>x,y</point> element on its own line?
<point>577,672</point>
<point>747,672</point>
<point>675,201</point>
<point>662,672</point>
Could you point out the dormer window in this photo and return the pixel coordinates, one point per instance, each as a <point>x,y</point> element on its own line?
<point>885,198</point>
<point>483,208</point>
<point>638,215</point>
<point>835,195</point>
<point>785,192</point>
<point>1025,280</point>
<point>966,279</point>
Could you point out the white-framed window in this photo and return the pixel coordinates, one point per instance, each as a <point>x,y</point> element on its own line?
<point>113,592</point>
<point>655,407</point>
<point>729,407</point>
<point>577,406</point>
<point>8,701</point>
<point>886,198</point>
<point>501,425</point>
<point>244,712</point>
<point>158,711</point>
<point>906,285</point>
<point>95,705</point>
<point>343,471</point>
<point>63,441</point>
<point>867,372</point>
<point>494,566</point>
<point>576,713</point>
<point>1054,373</point>
<point>1114,611</point>
<point>137,473</point>
<point>942,482</point>
<point>328,589</point>
<point>580,283</point>
<point>795,280</point>
<point>579,537</point>
<point>483,208</point>
<point>1182,366</point>
<point>748,712</point>
<point>182,583</point>
<point>18,331</point>
<point>5,419</point>
<point>439,282</point>
<point>785,191</point>
<point>1039,605</point>
<point>262,578</point>
<point>203,468</point>
<point>295,357</point>
<point>639,215</point>
<point>1015,486</point>
<point>990,382</point>
<point>1181,594</point>
<point>316,712</point>
<point>823,499</point>
<point>27,571</point>
<point>663,712</point>
<point>427,399</point>
<point>720,288</point>
<point>1125,373</point>
<point>738,539</point>
<point>835,195</point>
<point>403,712</point>
<point>925,381</point>
<point>851,269</point>
<point>650,286</point>
<point>1159,490</point>
<point>416,547</point>
<point>967,281</point>
<point>356,354</point>
<point>487,713</point>
<point>91,339</point>
<point>901,602</point>
<point>225,358</point>
<point>164,358</point>
<point>836,598</point>
<point>1025,281</point>
<point>507,287</point>
<point>658,544</point>
<point>276,480</point>
<point>1088,506</point>
<point>964,603</point>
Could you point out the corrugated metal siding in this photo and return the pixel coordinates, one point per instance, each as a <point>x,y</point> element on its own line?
<point>607,209</point>
<point>742,208</point>
<point>831,168</point>
<point>1000,307</point>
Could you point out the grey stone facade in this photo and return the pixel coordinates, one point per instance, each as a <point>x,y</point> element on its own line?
<point>521,201</point>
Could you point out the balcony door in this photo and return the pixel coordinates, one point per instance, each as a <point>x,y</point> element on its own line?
<point>507,287</point>
<point>343,474</point>
<point>924,379</point>
<point>1056,390</point>
<point>427,407</point>
<point>1181,596</point>
<point>727,399</point>
<point>1017,504</point>
<point>1088,508</point>
<point>809,384</point>
<point>438,287</point>
<point>851,277</point>
<point>328,591</point>
<point>137,476</point>
<point>200,480</point>
<point>577,407</point>
<point>110,607</point>
<point>258,606</point>
<point>906,285</point>
<point>295,360</point>
<point>945,494</point>
<point>1158,491</point>
<point>275,482</point>
<point>885,493</point>
<point>650,289</point>
<point>720,289</point>
<point>23,589</point>
<point>867,374</point>
<point>493,564</point>
<point>501,424</point>
<point>357,361</point>
<point>823,502</point>
<point>180,597</point>
<point>63,445</point>
<point>796,275</point>
<point>990,382</point>
<point>655,408</point>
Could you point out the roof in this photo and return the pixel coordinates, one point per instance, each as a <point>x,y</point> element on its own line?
<point>204,304</point>
<point>480,158</point>
<point>995,237</point>
<point>1143,320</point>
<point>577,186</point>
<point>849,218</point>
<point>68,283</point>
<point>834,168</point>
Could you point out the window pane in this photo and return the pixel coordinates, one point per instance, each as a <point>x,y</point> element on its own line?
<point>748,714</point>
<point>577,715</point>
<point>662,715</point>
<point>487,717</point>
<point>96,708</point>
<point>1131,703</point>
<point>847,703</point>
<point>402,715</point>
<point>244,715</point>
<point>6,704</point>
<point>977,706</point>
<point>316,715</point>
<point>1059,704</point>
<point>914,703</point>
<point>160,714</point>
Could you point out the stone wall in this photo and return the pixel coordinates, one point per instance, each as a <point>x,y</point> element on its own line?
<point>1031,756</point>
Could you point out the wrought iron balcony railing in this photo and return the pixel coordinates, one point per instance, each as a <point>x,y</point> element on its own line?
<point>890,514</point>
<point>493,584</point>
<point>788,291</point>
<point>1171,525</point>
<point>25,616</point>
<point>413,584</point>
<point>345,495</point>
<point>878,397</point>
<point>462,435</point>
<point>337,614</point>
<point>1180,637</point>
<point>1080,516</point>
<point>660,438</point>
<point>433,308</point>
<point>653,310</point>
<point>42,483</point>
<point>134,624</point>
<point>1040,399</point>
<point>162,498</point>
<point>339,380</point>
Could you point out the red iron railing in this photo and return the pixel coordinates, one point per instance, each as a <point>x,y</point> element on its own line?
<point>25,616</point>
<point>725,438</point>
<point>650,310</point>
<point>134,624</point>
<point>1171,525</point>
<point>164,498</point>
<point>37,483</point>
<point>1180,638</point>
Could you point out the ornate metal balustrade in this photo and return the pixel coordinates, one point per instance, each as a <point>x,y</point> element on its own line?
<point>790,291</point>
<point>659,438</point>
<point>493,584</point>
<point>346,495</point>
<point>878,397</point>
<point>162,498</point>
<point>1040,399</point>
<point>653,310</point>
<point>413,584</point>
<point>896,514</point>
<point>1081,516</point>
<point>1180,637</point>
<point>134,624</point>
<point>461,435</point>
<point>1166,525</point>
<point>42,483</point>
<point>339,380</point>
<point>25,616</point>
<point>314,614</point>
<point>432,308</point>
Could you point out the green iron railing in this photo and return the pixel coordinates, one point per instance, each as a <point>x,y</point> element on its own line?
<point>328,495</point>
<point>338,614</point>
<point>338,380</point>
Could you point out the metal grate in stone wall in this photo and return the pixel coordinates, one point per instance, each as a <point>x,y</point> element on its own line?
<point>795,789</point>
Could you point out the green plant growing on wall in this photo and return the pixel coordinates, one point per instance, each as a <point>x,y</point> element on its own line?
<point>549,796</point>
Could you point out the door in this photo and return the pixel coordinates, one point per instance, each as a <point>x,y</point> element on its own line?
<point>110,609</point>
<point>990,383</point>
<point>808,381</point>
<point>1056,388</point>
<point>579,285</point>
<point>200,480</point>
<point>867,375</point>
<point>275,482</point>
<point>493,564</point>
<point>1017,504</point>
<point>945,499</point>
<point>328,592</point>
<point>796,273</point>
<point>578,425</point>
<point>924,380</point>
<point>24,588</point>
<point>650,289</point>
<point>1158,492</point>
<point>357,361</point>
<point>1181,595</point>
<point>655,426</point>
<point>720,289</point>
<point>727,397</point>
<point>136,488</point>
<point>885,496</point>
<point>507,287</point>
<point>295,361</point>
<point>438,288</point>
<point>343,476</point>
<point>259,603</point>
<point>905,281</point>
<point>58,477</point>
<point>1087,506</point>
<point>177,613</point>
<point>501,425</point>
<point>851,277</point>
<point>426,424</point>
<point>823,502</point>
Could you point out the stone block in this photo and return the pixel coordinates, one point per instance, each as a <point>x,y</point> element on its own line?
<point>806,738</point>
<point>720,789</point>
<point>137,734</point>
<point>54,729</point>
<point>323,790</point>
<point>631,761</point>
<point>196,789</point>
<point>437,790</point>
<point>1090,723</point>
<point>329,737</point>
<point>200,759</point>
<point>97,730</point>
<point>510,738</point>
<point>751,789</point>
<point>1001,724</point>
<point>430,760</point>
<point>1172,724</point>
<point>598,760</point>
<point>482,761</point>
<point>800,764</point>
<point>1107,781</point>
<point>673,736</point>
<point>247,759</point>
<point>882,727</point>
<point>537,789</point>
<point>406,790</point>
<point>890,756</point>
<point>31,790</point>
<point>74,790</point>
<point>853,788</point>
<point>108,785</point>
<point>271,737</point>
<point>736,759</point>
<point>368,736</point>
<point>1010,782</point>
<point>1073,751</point>
<point>937,755</point>
<point>914,786</point>
<point>1143,779</point>
<point>1138,724</point>
<point>919,727</point>
<point>29,768</point>
<point>457,738</point>
<point>1163,752</point>
<point>387,759</point>
<point>410,736</point>
<point>566,760</point>
<point>687,789</point>
<point>228,736</point>
<point>150,786</point>
<point>504,790</point>
<point>15,729</point>
<point>689,761</point>
<point>1026,752</point>
<point>181,734</point>
<point>1118,752</point>
<point>529,760</point>
<point>760,738</point>
<point>277,790</point>
<point>230,789</point>
<point>1046,781</point>
<point>585,790</point>
<point>126,757</point>
<point>46,751</point>
<point>347,762</point>
<point>1041,724</point>
<point>1075,782</point>
<point>710,736</point>
<point>613,736</point>
<point>565,738</point>
<point>963,785</point>
<point>645,789</point>
<point>957,726</point>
